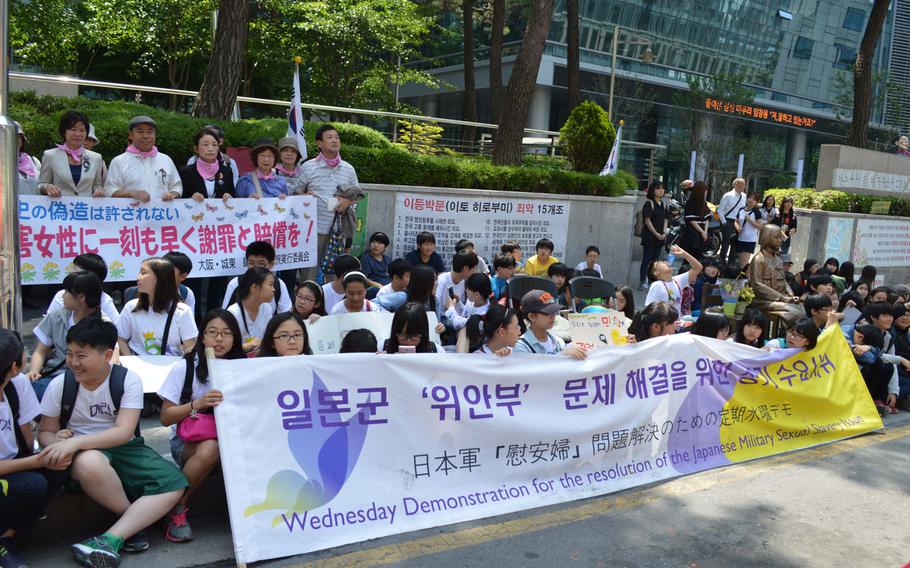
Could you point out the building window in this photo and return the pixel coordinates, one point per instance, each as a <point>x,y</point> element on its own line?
<point>855,19</point>
<point>846,56</point>
<point>803,48</point>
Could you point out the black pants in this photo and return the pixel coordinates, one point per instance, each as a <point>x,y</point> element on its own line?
<point>649,254</point>
<point>24,496</point>
<point>728,242</point>
<point>877,376</point>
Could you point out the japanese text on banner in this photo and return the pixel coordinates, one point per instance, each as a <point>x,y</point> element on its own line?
<point>215,234</point>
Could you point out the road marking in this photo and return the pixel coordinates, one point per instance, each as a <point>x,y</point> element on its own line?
<point>597,506</point>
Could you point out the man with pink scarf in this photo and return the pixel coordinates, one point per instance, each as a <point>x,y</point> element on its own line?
<point>142,172</point>
<point>321,177</point>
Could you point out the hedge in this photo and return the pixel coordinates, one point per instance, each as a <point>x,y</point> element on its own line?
<point>374,157</point>
<point>837,201</point>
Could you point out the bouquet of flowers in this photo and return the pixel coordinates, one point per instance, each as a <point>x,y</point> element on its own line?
<point>746,295</point>
<point>731,290</point>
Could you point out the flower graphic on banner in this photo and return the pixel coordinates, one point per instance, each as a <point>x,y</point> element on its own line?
<point>51,271</point>
<point>117,270</point>
<point>28,272</point>
<point>326,456</point>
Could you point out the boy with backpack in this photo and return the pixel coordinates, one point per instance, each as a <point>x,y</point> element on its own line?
<point>90,424</point>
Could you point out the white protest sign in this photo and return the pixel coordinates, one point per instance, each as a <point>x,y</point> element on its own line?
<point>151,369</point>
<point>215,234</point>
<point>488,222</point>
<point>600,329</point>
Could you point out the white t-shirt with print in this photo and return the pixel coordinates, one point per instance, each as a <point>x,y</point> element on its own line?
<point>93,411</point>
<point>144,329</point>
<point>669,291</point>
<point>172,387</point>
<point>444,282</point>
<point>29,408</point>
<point>252,328</point>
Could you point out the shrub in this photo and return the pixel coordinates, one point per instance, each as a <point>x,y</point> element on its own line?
<point>837,201</point>
<point>587,137</point>
<point>374,157</point>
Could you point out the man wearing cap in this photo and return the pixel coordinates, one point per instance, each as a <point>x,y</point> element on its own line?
<point>322,176</point>
<point>262,181</point>
<point>90,142</point>
<point>142,172</point>
<point>728,209</point>
<point>790,277</point>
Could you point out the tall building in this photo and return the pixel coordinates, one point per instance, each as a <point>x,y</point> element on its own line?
<point>795,55</point>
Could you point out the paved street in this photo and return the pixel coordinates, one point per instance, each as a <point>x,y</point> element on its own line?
<point>837,505</point>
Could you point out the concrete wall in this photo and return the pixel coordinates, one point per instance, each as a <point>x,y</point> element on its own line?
<point>606,222</point>
<point>867,172</point>
<point>812,235</point>
<point>43,87</point>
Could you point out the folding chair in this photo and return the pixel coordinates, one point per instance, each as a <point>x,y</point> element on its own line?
<point>590,287</point>
<point>522,284</point>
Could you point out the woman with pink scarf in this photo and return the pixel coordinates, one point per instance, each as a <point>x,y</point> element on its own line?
<point>262,181</point>
<point>28,167</point>
<point>71,169</point>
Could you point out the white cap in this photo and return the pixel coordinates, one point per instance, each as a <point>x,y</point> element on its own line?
<point>91,134</point>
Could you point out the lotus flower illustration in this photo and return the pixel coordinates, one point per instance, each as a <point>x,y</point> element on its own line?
<point>326,456</point>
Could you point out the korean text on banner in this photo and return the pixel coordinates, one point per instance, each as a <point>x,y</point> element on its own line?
<point>215,234</point>
<point>486,221</point>
<point>393,443</point>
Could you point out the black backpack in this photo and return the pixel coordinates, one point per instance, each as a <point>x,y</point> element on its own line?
<point>71,390</point>
<point>12,398</point>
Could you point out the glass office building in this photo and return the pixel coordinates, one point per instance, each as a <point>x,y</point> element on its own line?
<point>795,55</point>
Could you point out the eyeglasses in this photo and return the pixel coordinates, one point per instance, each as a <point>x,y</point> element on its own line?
<point>306,299</point>
<point>795,334</point>
<point>403,337</point>
<point>214,333</point>
<point>257,264</point>
<point>286,337</point>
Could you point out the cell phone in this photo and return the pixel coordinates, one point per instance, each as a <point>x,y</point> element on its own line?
<point>407,349</point>
<point>452,293</point>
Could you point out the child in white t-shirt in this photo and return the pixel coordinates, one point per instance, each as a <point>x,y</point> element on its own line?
<point>182,401</point>
<point>143,323</point>
<point>478,291</point>
<point>98,442</point>
<point>355,294</point>
<point>252,310</point>
<point>668,288</point>
<point>25,486</point>
<point>333,292</point>
<point>261,254</point>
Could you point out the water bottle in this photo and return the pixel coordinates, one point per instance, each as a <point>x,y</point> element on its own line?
<point>671,258</point>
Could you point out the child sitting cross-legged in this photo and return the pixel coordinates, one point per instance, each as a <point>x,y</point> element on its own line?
<point>90,418</point>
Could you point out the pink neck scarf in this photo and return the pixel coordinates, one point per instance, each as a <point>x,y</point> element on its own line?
<point>27,165</point>
<point>207,170</point>
<point>136,151</point>
<point>270,175</point>
<point>287,172</point>
<point>333,162</point>
<point>74,153</point>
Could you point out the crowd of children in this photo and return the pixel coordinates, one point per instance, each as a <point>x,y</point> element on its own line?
<point>88,406</point>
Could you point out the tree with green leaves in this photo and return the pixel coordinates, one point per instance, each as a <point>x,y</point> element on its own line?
<point>46,34</point>
<point>863,72</point>
<point>507,148</point>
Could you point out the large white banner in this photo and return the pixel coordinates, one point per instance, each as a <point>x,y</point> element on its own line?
<point>486,221</point>
<point>215,234</point>
<point>324,450</point>
<point>882,242</point>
